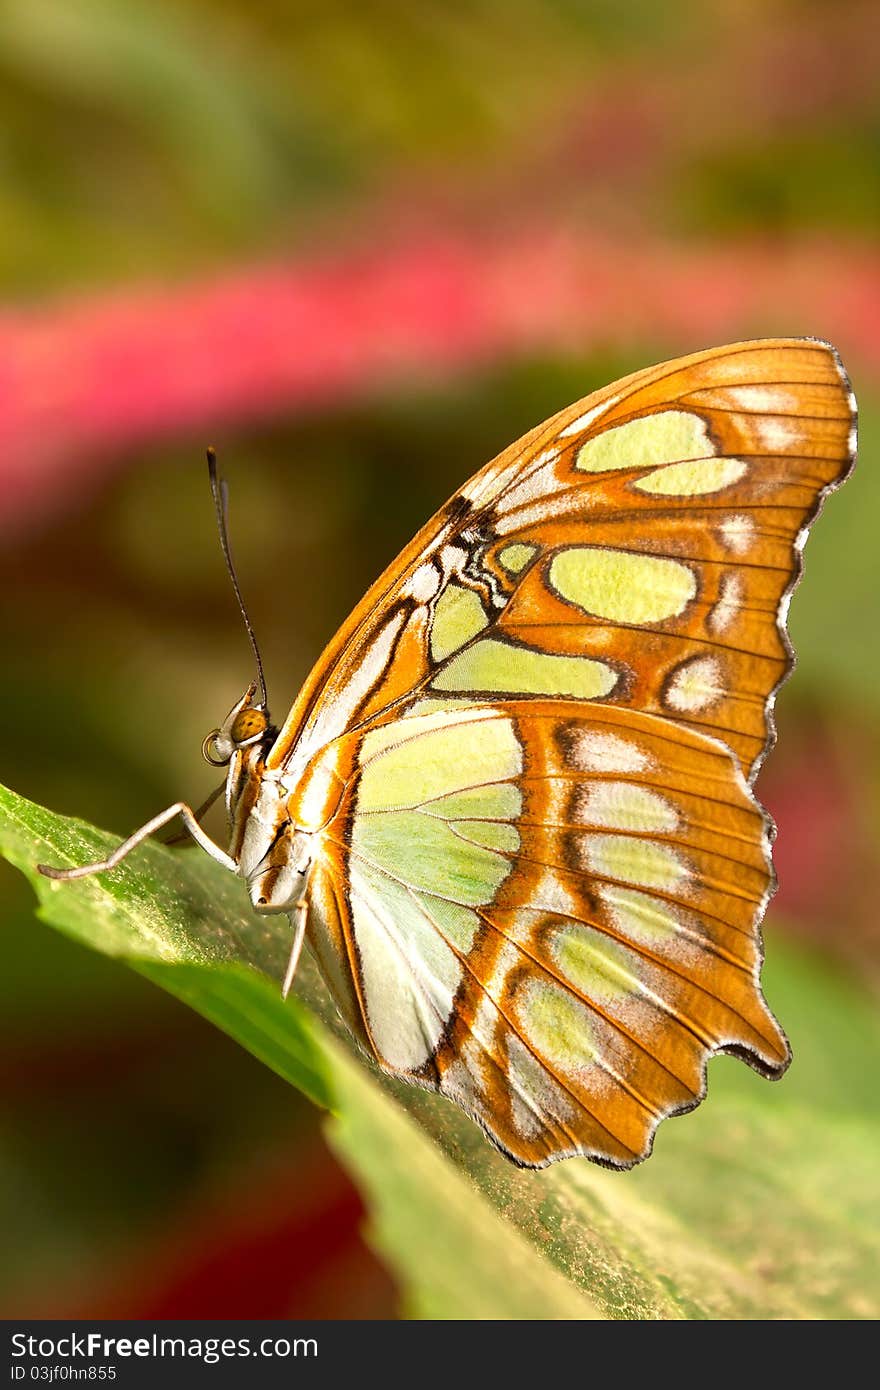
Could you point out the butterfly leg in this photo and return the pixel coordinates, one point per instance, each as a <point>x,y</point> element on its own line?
<point>180,808</point>
<point>183,837</point>
<point>299,936</point>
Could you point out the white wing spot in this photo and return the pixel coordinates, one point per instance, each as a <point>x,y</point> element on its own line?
<point>473,488</point>
<point>538,481</point>
<point>551,895</point>
<point>535,1098</point>
<point>782,611</point>
<point>464,1081</point>
<point>737,533</point>
<point>728,605</point>
<point>548,456</point>
<point>768,399</point>
<point>422,584</point>
<point>584,421</point>
<point>777,433</point>
<point>695,685</point>
<point>589,751</point>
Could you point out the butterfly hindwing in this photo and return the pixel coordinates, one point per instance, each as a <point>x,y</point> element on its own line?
<point>540,889</point>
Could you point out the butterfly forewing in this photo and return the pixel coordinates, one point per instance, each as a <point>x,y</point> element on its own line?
<point>675,567</point>
<point>541,889</point>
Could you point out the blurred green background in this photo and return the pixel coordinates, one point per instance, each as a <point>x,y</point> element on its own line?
<point>429,227</point>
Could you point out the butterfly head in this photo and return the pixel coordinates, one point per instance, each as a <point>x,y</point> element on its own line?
<point>246,725</point>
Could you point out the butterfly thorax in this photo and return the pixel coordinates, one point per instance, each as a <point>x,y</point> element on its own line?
<point>276,817</point>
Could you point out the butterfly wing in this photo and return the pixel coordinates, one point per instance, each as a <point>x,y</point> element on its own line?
<point>638,548</point>
<point>547,914</point>
<point>541,890</point>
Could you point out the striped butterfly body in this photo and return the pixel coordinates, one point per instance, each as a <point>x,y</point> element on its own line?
<point>511,809</point>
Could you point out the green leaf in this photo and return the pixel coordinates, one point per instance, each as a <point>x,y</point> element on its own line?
<point>756,1206</point>
<point>177,920</point>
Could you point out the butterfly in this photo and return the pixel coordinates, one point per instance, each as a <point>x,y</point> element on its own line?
<point>511,809</point>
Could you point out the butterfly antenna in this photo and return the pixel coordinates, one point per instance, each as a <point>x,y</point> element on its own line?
<point>218,490</point>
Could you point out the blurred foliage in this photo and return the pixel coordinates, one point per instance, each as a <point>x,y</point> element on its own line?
<point>828,179</point>
<point>216,124</point>
<point>152,137</point>
<point>143,141</point>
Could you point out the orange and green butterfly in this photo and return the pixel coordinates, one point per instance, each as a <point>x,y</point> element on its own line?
<point>511,810</point>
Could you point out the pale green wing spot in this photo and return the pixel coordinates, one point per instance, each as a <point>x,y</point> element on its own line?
<point>422,915</point>
<point>692,479</point>
<point>429,842</point>
<point>515,557</point>
<point>666,436</point>
<point>490,665</point>
<point>427,853</point>
<point>597,967</point>
<point>435,761</point>
<point>558,1025</point>
<point>621,586</point>
<point>625,806</point>
<point>635,861</point>
<point>433,705</point>
<point>498,801</point>
<point>417,929</point>
<point>458,616</point>
<point>408,970</point>
<point>400,825</point>
<point>639,916</point>
<point>491,834</point>
<point>458,924</point>
<point>424,716</point>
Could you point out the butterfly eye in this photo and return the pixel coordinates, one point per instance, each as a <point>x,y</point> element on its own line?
<point>249,724</point>
<point>210,751</point>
